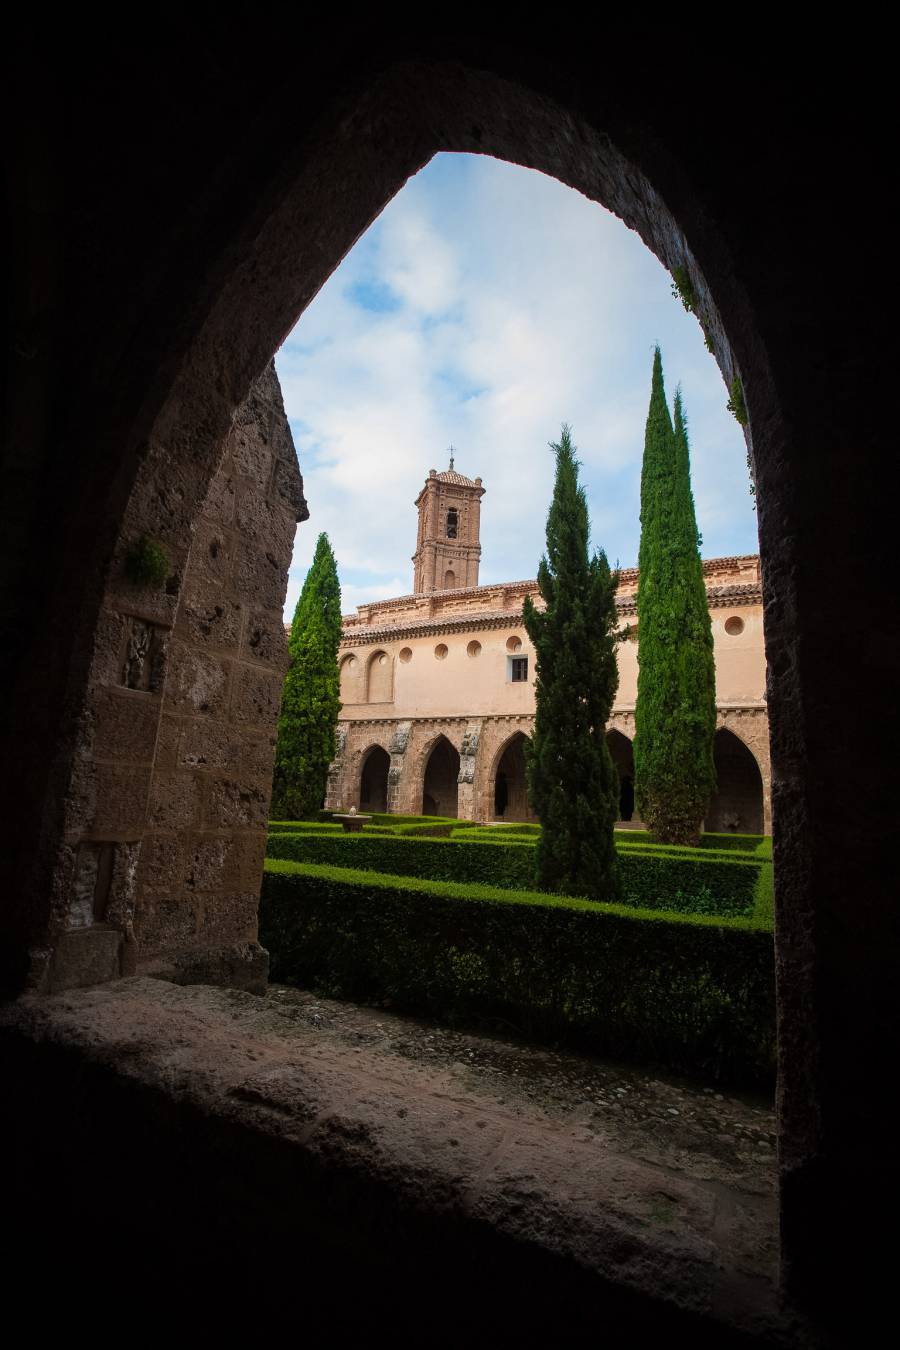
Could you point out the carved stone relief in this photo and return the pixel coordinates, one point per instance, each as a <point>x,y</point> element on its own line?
<point>145,656</point>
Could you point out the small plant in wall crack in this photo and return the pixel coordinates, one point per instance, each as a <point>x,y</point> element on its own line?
<point>683,288</point>
<point>736,405</point>
<point>147,562</point>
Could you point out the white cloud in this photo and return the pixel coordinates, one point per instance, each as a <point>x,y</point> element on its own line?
<point>501,305</point>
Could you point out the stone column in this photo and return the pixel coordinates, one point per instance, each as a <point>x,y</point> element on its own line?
<point>466,799</point>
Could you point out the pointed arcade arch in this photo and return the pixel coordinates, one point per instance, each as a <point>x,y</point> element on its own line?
<point>440,786</point>
<point>622,751</point>
<point>373,779</point>
<point>510,800</point>
<point>738,801</point>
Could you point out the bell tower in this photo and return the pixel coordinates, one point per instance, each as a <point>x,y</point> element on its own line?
<point>448,546</point>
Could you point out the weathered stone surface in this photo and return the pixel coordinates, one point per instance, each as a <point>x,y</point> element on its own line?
<point>231,862</point>
<point>232,803</point>
<point>264,638</point>
<point>198,683</point>
<point>412,1150</point>
<point>257,756</point>
<point>256,696</point>
<point>88,956</point>
<point>126,725</point>
<point>122,796</point>
<point>215,624</point>
<point>175,801</point>
<point>167,741</point>
<point>208,744</point>
<point>260,574</point>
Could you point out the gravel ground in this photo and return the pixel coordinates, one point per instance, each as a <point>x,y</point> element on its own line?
<point>672,1122</point>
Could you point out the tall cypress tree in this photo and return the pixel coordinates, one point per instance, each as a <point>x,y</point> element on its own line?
<point>675,718</point>
<point>310,702</point>
<point>572,781</point>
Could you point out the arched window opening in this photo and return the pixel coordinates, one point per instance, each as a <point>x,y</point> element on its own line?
<point>737,805</point>
<point>452,523</point>
<point>349,680</point>
<point>622,752</point>
<point>373,782</point>
<point>380,678</point>
<point>440,787</point>
<point>449,580</point>
<point>510,783</point>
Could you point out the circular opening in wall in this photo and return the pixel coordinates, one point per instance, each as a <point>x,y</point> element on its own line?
<point>734,625</point>
<point>513,644</point>
<point>405,654</point>
<point>474,648</point>
<point>440,651</point>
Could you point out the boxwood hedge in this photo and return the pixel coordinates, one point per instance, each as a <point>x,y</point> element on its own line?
<point>678,880</point>
<point>694,993</point>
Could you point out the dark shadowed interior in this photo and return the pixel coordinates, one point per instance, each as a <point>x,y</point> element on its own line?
<point>175,204</point>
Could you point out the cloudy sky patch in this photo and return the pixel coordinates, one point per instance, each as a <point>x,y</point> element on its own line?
<point>487,305</point>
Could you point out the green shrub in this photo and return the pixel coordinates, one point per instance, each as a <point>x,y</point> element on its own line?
<point>695,994</point>
<point>385,818</point>
<point>440,831</point>
<point>679,880</point>
<point>316,827</point>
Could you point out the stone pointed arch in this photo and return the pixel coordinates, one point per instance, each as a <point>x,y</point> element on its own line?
<point>373,779</point>
<point>621,748</point>
<point>440,778</point>
<point>508,781</point>
<point>737,805</point>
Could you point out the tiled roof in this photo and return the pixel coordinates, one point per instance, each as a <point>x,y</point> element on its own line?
<point>458,479</point>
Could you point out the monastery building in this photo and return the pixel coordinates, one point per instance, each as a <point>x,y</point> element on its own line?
<point>437,687</point>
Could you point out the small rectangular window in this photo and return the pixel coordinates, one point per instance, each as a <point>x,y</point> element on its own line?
<point>518,669</point>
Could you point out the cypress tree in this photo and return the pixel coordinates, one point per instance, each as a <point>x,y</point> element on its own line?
<point>675,718</point>
<point>572,781</point>
<point>309,702</point>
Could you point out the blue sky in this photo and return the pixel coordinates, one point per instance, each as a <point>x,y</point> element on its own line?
<point>487,305</point>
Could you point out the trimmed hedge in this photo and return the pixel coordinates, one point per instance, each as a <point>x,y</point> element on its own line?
<point>694,994</point>
<point>385,818</point>
<point>320,828</point>
<point>680,881</point>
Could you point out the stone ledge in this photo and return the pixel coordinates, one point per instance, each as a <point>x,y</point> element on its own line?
<point>256,1144</point>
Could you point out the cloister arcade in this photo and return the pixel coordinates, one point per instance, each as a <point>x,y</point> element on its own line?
<point>434,775</point>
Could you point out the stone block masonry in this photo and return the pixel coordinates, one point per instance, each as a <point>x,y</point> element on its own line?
<point>198,880</point>
<point>166,816</point>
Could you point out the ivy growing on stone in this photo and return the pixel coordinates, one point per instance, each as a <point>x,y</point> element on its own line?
<point>310,703</point>
<point>736,405</point>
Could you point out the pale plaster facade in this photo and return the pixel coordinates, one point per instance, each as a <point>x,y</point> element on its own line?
<point>445,665</point>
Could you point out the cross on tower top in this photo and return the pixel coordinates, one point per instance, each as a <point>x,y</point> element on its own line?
<point>451,458</point>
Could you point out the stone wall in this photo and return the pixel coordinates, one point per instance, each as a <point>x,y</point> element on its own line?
<point>167,810</point>
<point>201,862</point>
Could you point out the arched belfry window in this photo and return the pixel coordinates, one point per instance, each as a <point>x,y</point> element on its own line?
<point>452,523</point>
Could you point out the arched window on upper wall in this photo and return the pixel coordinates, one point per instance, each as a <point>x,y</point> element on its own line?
<point>380,678</point>
<point>349,679</point>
